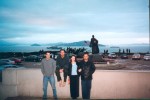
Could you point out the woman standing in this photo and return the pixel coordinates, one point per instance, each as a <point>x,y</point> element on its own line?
<point>74,77</point>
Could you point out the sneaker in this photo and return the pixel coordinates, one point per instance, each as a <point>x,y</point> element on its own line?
<point>55,98</point>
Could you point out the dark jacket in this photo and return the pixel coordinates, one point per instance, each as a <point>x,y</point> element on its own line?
<point>70,68</point>
<point>62,63</point>
<point>88,68</point>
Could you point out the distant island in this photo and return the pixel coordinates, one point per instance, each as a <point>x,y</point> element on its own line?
<point>79,43</point>
<point>35,44</point>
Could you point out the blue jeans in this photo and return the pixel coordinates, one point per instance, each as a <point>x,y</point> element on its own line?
<point>51,79</point>
<point>86,88</point>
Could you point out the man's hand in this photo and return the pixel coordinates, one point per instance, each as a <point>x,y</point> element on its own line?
<point>61,70</point>
<point>80,70</point>
<point>68,80</point>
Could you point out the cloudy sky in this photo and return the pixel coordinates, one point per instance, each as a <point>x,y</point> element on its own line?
<point>51,21</point>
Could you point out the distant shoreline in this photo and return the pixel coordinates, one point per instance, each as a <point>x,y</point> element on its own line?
<point>28,49</point>
<point>22,54</point>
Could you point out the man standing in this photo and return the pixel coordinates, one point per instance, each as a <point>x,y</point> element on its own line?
<point>62,63</point>
<point>94,45</point>
<point>86,71</point>
<point>48,69</point>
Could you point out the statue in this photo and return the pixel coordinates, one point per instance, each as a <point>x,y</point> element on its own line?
<point>94,45</point>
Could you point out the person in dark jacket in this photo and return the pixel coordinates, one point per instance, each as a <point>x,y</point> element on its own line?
<point>74,77</point>
<point>62,63</point>
<point>87,69</point>
<point>94,45</point>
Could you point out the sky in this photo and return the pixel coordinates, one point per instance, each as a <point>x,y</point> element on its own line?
<point>51,21</point>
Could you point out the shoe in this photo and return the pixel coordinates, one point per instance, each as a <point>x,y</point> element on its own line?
<point>55,98</point>
<point>44,97</point>
<point>74,98</point>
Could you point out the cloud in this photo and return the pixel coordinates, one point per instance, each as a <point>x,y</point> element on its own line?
<point>49,38</point>
<point>104,38</point>
<point>47,22</point>
<point>68,21</point>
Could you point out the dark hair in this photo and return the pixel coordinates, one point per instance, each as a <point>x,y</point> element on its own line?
<point>47,52</point>
<point>85,53</point>
<point>62,50</point>
<point>93,36</point>
<point>75,58</point>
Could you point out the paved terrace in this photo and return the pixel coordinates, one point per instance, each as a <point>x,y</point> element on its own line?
<point>26,83</point>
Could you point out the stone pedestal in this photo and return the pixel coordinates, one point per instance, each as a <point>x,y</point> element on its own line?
<point>96,58</point>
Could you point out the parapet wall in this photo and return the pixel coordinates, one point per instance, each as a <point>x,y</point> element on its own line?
<point>106,84</point>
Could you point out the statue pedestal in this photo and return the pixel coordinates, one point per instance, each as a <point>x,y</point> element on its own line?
<point>96,58</point>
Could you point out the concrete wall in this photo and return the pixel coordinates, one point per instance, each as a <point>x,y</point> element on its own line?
<point>105,85</point>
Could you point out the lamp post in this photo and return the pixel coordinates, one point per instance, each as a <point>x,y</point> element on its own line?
<point>149,33</point>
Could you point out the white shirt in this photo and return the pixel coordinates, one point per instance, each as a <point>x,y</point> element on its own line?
<point>74,69</point>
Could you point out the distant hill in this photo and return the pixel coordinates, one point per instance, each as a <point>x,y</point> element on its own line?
<point>139,44</point>
<point>79,43</point>
<point>53,44</point>
<point>35,44</point>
